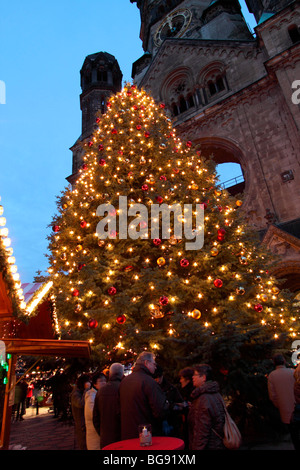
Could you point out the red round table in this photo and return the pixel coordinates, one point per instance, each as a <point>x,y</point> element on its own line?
<point>158,443</point>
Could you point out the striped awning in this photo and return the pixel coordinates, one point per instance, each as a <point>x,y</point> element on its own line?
<point>29,289</point>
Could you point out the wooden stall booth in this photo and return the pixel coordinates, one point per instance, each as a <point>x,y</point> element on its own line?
<point>37,337</point>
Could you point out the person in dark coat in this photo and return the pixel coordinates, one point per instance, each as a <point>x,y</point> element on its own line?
<point>186,388</point>
<point>141,398</point>
<point>106,412</point>
<point>171,425</point>
<point>206,415</point>
<point>77,403</point>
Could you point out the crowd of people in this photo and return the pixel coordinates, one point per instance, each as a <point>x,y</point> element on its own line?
<point>109,407</point>
<point>107,411</point>
<point>26,395</point>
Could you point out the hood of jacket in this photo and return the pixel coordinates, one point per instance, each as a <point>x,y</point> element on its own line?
<point>207,387</point>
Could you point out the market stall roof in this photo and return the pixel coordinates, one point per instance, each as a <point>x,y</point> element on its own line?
<point>48,347</point>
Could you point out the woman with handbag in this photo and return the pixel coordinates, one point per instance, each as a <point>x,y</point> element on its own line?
<point>207,414</point>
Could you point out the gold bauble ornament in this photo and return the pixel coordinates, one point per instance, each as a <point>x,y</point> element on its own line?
<point>196,314</point>
<point>214,251</point>
<point>161,261</point>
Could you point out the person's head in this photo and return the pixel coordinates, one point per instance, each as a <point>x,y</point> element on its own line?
<point>116,371</point>
<point>186,376</point>
<point>278,360</point>
<point>147,359</point>
<point>83,382</point>
<point>202,373</point>
<point>98,379</point>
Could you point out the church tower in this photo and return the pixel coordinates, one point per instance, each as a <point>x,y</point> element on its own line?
<point>100,77</point>
<point>266,7</point>
<point>231,92</point>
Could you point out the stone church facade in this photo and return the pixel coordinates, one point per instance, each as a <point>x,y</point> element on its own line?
<point>232,93</point>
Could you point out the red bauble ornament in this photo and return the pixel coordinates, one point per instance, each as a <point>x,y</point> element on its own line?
<point>93,324</point>
<point>145,187</point>
<point>139,127</point>
<point>162,105</point>
<point>221,232</point>
<point>56,228</point>
<point>159,199</point>
<point>75,293</point>
<point>157,241</point>
<point>83,224</point>
<point>147,134</point>
<point>163,300</point>
<point>163,178</point>
<point>184,263</point>
<point>90,144</point>
<point>189,143</point>
<point>128,268</point>
<point>121,319</point>
<point>258,307</point>
<point>108,104</point>
<point>218,283</point>
<point>80,266</point>
<point>100,147</point>
<point>102,162</point>
<point>114,131</point>
<point>84,166</point>
<point>112,290</point>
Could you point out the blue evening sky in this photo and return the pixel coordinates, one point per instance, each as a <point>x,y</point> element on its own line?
<point>42,49</point>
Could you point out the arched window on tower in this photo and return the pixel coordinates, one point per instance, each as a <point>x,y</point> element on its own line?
<point>182,105</point>
<point>216,85</point>
<point>174,108</point>
<point>190,101</point>
<point>220,84</point>
<point>294,33</point>
<point>101,75</point>
<point>88,77</point>
<point>212,88</point>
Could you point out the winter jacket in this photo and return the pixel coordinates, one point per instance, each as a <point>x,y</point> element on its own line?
<point>106,413</point>
<point>92,437</point>
<point>77,404</point>
<point>206,415</point>
<point>142,402</point>
<point>281,391</point>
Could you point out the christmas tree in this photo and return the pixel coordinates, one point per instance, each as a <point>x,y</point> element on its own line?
<point>195,289</point>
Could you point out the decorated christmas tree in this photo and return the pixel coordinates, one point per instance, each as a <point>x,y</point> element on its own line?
<point>147,252</point>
